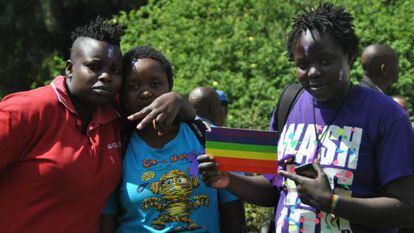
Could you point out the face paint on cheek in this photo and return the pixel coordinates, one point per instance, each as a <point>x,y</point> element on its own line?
<point>110,52</point>
<point>341,75</point>
<point>305,46</point>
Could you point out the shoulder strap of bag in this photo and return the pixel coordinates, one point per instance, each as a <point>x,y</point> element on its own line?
<point>285,103</point>
<point>199,129</point>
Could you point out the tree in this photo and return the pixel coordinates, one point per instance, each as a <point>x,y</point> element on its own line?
<point>35,37</point>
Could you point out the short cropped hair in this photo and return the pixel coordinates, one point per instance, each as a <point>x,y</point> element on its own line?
<point>145,51</point>
<point>99,29</point>
<point>326,18</point>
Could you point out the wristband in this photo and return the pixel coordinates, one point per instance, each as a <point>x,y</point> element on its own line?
<point>334,203</point>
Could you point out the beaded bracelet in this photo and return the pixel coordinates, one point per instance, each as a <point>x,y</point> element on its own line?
<point>334,203</point>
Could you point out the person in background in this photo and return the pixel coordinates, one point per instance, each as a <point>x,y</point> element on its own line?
<point>224,101</point>
<point>161,190</point>
<point>402,102</point>
<point>345,153</point>
<point>380,67</point>
<point>404,105</point>
<point>207,105</point>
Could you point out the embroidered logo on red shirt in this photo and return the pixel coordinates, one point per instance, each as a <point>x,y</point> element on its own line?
<point>114,145</point>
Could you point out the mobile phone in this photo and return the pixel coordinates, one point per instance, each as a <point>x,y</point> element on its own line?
<point>306,170</point>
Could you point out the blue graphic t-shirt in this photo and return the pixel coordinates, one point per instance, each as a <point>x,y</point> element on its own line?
<point>362,146</point>
<point>161,191</point>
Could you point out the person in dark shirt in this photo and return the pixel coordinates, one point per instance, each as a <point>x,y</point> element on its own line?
<point>380,67</point>
<point>207,104</point>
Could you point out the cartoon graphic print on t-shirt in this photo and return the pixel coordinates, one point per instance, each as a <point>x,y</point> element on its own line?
<point>175,202</point>
<point>338,156</point>
<point>170,192</point>
<point>161,190</point>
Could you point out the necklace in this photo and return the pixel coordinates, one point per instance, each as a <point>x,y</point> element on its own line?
<point>320,137</point>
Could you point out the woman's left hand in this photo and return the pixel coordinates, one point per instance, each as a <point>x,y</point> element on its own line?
<point>315,192</point>
<point>161,112</point>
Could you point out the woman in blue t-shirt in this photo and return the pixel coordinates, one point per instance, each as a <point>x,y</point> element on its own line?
<point>161,190</point>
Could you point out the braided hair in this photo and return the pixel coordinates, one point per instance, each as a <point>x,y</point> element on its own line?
<point>326,18</point>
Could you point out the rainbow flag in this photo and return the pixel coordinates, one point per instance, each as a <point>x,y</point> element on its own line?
<point>243,150</point>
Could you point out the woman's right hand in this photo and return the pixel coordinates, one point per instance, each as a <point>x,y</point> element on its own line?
<point>163,111</point>
<point>315,192</point>
<point>211,176</point>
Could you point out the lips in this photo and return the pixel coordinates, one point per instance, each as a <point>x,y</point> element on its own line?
<point>315,86</point>
<point>103,90</point>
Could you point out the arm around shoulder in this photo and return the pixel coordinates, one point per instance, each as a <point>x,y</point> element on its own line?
<point>163,111</point>
<point>187,112</point>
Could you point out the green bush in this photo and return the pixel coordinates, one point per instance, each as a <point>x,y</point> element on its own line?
<point>51,67</point>
<point>388,22</point>
<point>257,217</point>
<point>239,46</point>
<point>236,46</point>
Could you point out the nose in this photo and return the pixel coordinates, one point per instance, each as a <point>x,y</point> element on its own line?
<point>146,94</point>
<point>104,77</point>
<point>314,72</point>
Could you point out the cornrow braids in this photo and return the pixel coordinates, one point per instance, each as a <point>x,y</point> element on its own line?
<point>326,18</point>
<point>145,51</point>
<point>99,29</point>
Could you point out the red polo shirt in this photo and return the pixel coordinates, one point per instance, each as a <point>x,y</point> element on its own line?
<point>53,178</point>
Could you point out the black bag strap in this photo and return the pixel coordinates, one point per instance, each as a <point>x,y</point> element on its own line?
<point>199,129</point>
<point>286,101</point>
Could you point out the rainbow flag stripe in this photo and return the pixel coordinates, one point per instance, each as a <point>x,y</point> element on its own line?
<point>243,150</point>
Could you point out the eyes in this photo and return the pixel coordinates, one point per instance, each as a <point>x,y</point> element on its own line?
<point>133,87</point>
<point>136,86</point>
<point>97,66</point>
<point>116,70</point>
<point>94,66</point>
<point>155,84</point>
<point>305,64</point>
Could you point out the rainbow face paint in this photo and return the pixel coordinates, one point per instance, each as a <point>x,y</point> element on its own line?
<point>110,51</point>
<point>306,44</point>
<point>306,48</point>
<point>341,75</point>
